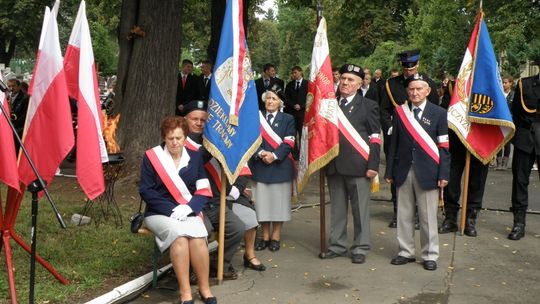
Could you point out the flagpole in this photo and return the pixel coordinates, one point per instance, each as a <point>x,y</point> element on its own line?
<point>465,195</point>
<point>221,237</point>
<point>322,195</point>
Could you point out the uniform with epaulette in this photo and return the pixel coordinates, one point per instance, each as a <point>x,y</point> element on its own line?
<point>394,94</point>
<point>526,147</point>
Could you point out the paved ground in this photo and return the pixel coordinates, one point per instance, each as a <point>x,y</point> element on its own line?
<point>486,269</point>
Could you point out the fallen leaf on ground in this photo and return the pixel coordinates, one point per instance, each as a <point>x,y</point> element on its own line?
<point>373,269</point>
<point>472,268</point>
<point>327,284</point>
<point>476,285</point>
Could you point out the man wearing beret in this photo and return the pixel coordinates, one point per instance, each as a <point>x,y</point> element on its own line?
<point>350,173</point>
<point>196,116</point>
<point>395,94</point>
<point>418,163</point>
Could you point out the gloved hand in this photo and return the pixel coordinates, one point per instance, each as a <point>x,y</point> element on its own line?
<point>181,212</point>
<point>234,194</point>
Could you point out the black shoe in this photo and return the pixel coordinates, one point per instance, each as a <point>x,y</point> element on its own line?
<point>518,231</point>
<point>329,254</point>
<point>401,260</point>
<point>430,265</point>
<point>470,230</point>
<point>393,223</point>
<point>229,274</point>
<point>262,245</point>
<point>187,302</point>
<point>249,264</point>
<point>274,245</point>
<point>448,226</point>
<point>209,300</point>
<point>358,258</point>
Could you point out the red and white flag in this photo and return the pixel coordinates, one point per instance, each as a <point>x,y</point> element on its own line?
<point>320,136</point>
<point>83,86</point>
<point>9,174</point>
<point>48,133</point>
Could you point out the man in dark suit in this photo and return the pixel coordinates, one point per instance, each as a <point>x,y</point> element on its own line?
<point>268,80</point>
<point>350,173</point>
<point>295,102</point>
<point>188,88</point>
<point>395,94</point>
<point>369,90</point>
<point>418,164</point>
<point>205,79</point>
<point>526,148</point>
<point>19,106</point>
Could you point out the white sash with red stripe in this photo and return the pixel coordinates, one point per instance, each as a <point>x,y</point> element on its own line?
<point>352,135</point>
<point>417,132</point>
<point>192,145</point>
<point>167,172</point>
<point>271,137</point>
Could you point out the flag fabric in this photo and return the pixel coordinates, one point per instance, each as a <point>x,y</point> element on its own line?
<point>478,112</point>
<point>232,133</point>
<point>320,135</point>
<point>48,134</point>
<point>9,174</point>
<point>82,85</point>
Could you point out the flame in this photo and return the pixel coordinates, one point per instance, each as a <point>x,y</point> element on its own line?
<point>109,133</point>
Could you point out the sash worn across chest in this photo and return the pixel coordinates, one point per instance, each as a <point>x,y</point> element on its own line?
<point>214,170</point>
<point>352,136</point>
<point>192,145</point>
<point>417,132</point>
<point>271,136</point>
<point>166,170</point>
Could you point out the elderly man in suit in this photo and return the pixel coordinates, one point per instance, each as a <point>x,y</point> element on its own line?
<point>350,173</point>
<point>418,164</point>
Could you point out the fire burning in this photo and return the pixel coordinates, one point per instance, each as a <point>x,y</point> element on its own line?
<point>109,133</point>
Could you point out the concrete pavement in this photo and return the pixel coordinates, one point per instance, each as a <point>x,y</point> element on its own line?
<point>486,269</point>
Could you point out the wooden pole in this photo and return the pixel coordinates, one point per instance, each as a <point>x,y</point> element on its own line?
<point>322,211</point>
<point>221,238</point>
<point>465,195</point>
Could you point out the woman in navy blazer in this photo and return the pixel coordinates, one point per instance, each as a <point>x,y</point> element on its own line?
<point>177,226</point>
<point>273,170</point>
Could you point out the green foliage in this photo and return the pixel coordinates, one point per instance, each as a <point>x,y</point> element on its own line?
<point>384,58</point>
<point>264,44</point>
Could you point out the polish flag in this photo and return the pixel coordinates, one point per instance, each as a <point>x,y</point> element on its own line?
<point>83,86</point>
<point>48,130</point>
<point>8,170</point>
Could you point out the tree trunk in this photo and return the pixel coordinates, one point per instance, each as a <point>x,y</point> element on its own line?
<point>6,55</point>
<point>148,73</point>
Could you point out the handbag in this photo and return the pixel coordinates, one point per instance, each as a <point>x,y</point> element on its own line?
<point>137,219</point>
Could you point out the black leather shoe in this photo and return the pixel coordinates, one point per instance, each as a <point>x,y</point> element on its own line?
<point>430,265</point>
<point>518,231</point>
<point>187,302</point>
<point>393,222</point>
<point>470,231</point>
<point>229,274</point>
<point>329,254</point>
<point>209,300</point>
<point>358,258</point>
<point>448,226</point>
<point>262,245</point>
<point>274,245</point>
<point>249,264</point>
<point>401,260</point>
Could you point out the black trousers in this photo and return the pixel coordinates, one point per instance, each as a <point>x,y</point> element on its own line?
<point>522,164</point>
<point>477,177</point>
<point>234,233</point>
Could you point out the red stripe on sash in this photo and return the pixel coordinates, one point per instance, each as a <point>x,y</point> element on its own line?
<point>162,173</point>
<point>353,142</point>
<point>414,133</point>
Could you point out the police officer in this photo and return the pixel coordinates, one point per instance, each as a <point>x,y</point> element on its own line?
<point>394,94</point>
<point>526,148</point>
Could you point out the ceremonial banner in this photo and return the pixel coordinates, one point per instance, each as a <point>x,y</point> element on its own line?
<point>320,136</point>
<point>232,132</point>
<point>83,86</point>
<point>9,174</point>
<point>48,131</point>
<point>478,112</point>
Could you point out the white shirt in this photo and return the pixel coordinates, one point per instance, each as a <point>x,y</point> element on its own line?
<point>421,107</point>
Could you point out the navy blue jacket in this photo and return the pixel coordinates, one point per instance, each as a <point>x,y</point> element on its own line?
<point>406,153</point>
<point>281,170</point>
<point>157,197</point>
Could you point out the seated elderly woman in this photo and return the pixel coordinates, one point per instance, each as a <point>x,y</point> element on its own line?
<point>175,188</point>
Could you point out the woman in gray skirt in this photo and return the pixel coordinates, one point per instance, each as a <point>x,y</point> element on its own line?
<point>273,170</point>
<point>175,189</point>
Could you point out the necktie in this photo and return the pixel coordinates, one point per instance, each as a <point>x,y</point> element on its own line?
<point>266,83</point>
<point>269,118</point>
<point>297,85</point>
<point>342,103</point>
<point>183,81</point>
<point>416,113</point>
<point>205,81</point>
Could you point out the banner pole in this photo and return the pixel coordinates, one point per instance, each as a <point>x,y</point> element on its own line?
<point>465,195</point>
<point>221,238</point>
<point>322,211</point>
